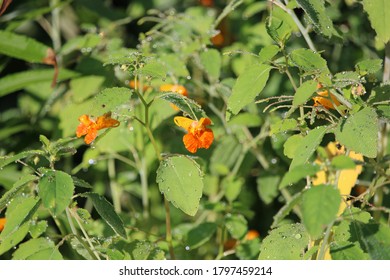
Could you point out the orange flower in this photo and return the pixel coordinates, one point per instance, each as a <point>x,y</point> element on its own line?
<point>174,88</point>
<point>90,127</point>
<point>198,135</point>
<point>323,99</point>
<point>2,223</point>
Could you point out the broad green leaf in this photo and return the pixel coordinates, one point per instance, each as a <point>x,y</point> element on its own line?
<point>200,234</point>
<point>245,119</point>
<point>22,47</point>
<point>109,99</point>
<point>359,132</point>
<point>248,249</point>
<point>315,9</point>
<point>232,187</point>
<point>308,61</point>
<point>319,207</point>
<point>278,29</point>
<point>346,78</point>
<point>174,64</point>
<point>248,85</point>
<point>379,14</point>
<point>37,249</point>
<point>304,92</point>
<point>154,69</point>
<point>286,209</point>
<point>236,225</point>
<point>287,242</point>
<point>179,178</point>
<point>107,212</point>
<point>343,162</point>
<point>55,188</point>
<point>384,111</point>
<point>368,66</point>
<point>297,173</point>
<point>291,145</point>
<point>225,155</point>
<point>17,186</point>
<point>85,42</point>
<point>379,93</point>
<point>185,104</point>
<point>37,229</point>
<point>135,250</point>
<point>84,87</point>
<point>18,215</point>
<point>267,187</point>
<point>344,250</point>
<point>268,52</point>
<point>283,125</point>
<point>211,61</point>
<point>21,80</point>
<point>308,145</point>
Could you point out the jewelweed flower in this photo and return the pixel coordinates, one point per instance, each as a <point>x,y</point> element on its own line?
<point>323,99</point>
<point>198,135</point>
<point>174,88</point>
<point>137,85</point>
<point>2,223</point>
<point>89,127</point>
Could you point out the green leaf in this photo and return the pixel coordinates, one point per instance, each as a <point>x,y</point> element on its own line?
<point>174,64</point>
<point>248,249</point>
<point>283,125</point>
<point>179,178</point>
<point>278,29</point>
<point>22,47</point>
<point>21,80</point>
<point>225,155</point>
<point>248,85</point>
<point>185,104</point>
<point>232,187</point>
<point>359,132</point>
<point>200,234</point>
<point>17,186</point>
<point>374,239</point>
<point>18,215</point>
<point>379,14</point>
<point>286,209</point>
<point>37,249</point>
<point>368,66</point>
<point>287,242</point>
<point>245,119</point>
<point>268,52</point>
<point>211,61</point>
<point>136,250</point>
<point>84,87</point>
<point>236,225</point>
<point>154,69</point>
<point>291,145</point>
<point>308,61</point>
<point>308,145</point>
<point>344,250</point>
<point>107,212</point>
<point>110,99</point>
<point>343,162</point>
<point>319,207</point>
<point>297,173</point>
<point>304,92</point>
<point>267,187</point>
<point>346,78</point>
<point>86,41</point>
<point>56,190</point>
<point>315,9</point>
<point>37,229</point>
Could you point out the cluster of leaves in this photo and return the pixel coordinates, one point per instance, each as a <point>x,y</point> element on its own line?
<point>253,69</point>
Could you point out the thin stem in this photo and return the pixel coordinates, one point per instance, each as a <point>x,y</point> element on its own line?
<point>324,245</point>
<point>168,228</point>
<point>301,28</point>
<point>115,192</point>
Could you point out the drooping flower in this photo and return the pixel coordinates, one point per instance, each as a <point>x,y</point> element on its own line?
<point>2,223</point>
<point>174,88</point>
<point>89,126</point>
<point>198,135</point>
<point>323,99</point>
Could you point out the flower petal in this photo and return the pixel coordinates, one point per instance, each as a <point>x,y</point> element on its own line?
<point>106,121</point>
<point>92,134</point>
<point>183,122</point>
<point>191,143</point>
<point>206,139</point>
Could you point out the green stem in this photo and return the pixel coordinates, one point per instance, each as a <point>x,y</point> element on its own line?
<point>324,245</point>
<point>115,192</point>
<point>168,236</point>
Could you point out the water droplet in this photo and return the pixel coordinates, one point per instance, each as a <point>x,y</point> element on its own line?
<point>298,236</point>
<point>187,248</point>
<point>188,77</point>
<point>91,161</point>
